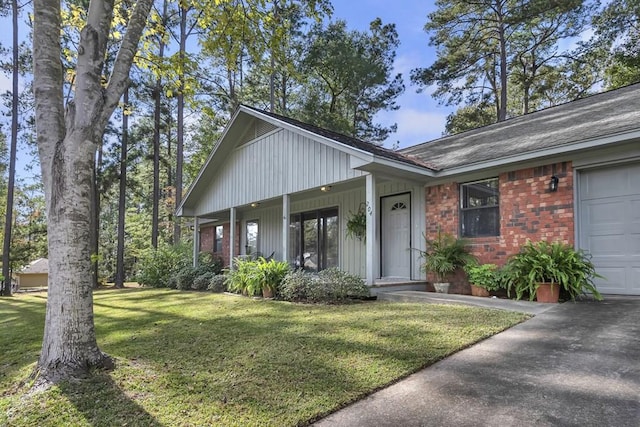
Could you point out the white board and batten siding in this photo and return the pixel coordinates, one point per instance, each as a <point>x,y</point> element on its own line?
<point>279,162</point>
<point>351,250</point>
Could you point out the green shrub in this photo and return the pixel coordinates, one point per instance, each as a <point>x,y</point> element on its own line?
<point>328,286</point>
<point>272,272</point>
<point>445,254</point>
<point>196,278</point>
<point>245,278</point>
<point>483,275</point>
<point>545,262</point>
<point>185,277</point>
<point>296,286</point>
<point>218,283</point>
<point>207,263</point>
<point>342,285</point>
<point>251,276</point>
<point>202,281</point>
<point>157,267</point>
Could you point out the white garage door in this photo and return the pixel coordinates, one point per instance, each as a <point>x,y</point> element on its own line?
<point>609,228</point>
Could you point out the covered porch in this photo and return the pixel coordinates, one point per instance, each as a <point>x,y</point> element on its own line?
<point>308,229</point>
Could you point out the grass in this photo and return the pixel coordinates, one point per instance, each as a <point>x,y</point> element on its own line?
<point>193,359</point>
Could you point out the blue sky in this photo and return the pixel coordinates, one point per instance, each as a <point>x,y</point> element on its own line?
<point>419,118</point>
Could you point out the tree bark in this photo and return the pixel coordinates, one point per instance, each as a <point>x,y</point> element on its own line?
<point>156,145</point>
<point>180,125</point>
<point>122,197</point>
<point>502,109</point>
<point>95,220</point>
<point>67,142</point>
<point>6,247</point>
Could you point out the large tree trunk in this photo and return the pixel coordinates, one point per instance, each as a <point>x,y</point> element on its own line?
<point>155,210</point>
<point>6,247</point>
<point>180,125</point>
<point>67,143</point>
<point>69,346</point>
<point>122,197</point>
<point>502,109</point>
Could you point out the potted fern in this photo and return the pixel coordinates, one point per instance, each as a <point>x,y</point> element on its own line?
<point>482,278</point>
<point>272,273</point>
<point>443,256</point>
<point>540,270</point>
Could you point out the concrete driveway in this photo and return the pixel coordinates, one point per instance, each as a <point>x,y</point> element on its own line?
<point>577,364</point>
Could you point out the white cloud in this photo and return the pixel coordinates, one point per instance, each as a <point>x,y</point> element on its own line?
<point>415,126</point>
<point>5,84</point>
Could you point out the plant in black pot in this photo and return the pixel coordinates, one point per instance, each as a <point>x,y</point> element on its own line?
<point>443,256</point>
<point>541,270</point>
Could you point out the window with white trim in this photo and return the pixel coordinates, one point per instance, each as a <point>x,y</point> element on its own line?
<point>219,234</point>
<point>480,208</point>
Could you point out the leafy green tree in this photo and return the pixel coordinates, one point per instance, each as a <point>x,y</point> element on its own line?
<point>68,135</point>
<point>489,48</point>
<point>29,238</point>
<point>350,79</point>
<point>538,60</point>
<point>469,117</point>
<point>617,29</point>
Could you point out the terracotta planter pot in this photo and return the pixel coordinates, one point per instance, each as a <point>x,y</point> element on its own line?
<point>548,292</point>
<point>477,291</point>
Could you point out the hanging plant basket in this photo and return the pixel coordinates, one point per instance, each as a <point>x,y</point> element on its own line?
<point>357,223</point>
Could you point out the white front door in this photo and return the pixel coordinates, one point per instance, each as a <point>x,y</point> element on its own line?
<point>396,236</point>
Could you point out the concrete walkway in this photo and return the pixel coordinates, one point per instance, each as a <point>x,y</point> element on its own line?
<point>528,307</point>
<point>575,364</point>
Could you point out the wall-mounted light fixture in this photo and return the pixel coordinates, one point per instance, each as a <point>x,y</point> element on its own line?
<point>325,188</point>
<point>255,205</point>
<point>553,183</point>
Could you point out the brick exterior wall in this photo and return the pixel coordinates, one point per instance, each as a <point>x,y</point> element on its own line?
<point>208,238</point>
<point>528,210</point>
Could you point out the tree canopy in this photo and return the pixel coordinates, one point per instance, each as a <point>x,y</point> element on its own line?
<point>506,55</point>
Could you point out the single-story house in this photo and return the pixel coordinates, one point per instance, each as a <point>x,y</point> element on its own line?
<point>276,186</point>
<point>34,275</point>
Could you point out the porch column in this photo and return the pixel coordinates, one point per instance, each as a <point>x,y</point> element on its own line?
<point>196,240</point>
<point>285,227</point>
<point>372,249</point>
<point>232,236</point>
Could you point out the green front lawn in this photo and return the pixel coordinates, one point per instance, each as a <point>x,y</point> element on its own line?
<point>194,359</point>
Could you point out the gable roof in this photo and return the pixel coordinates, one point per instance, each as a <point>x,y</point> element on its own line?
<point>363,155</point>
<point>39,266</point>
<point>350,141</point>
<point>612,113</point>
<point>595,121</point>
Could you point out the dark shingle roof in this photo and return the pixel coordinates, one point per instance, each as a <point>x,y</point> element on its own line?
<point>350,141</point>
<point>596,116</point>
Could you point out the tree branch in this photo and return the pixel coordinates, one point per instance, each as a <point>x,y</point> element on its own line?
<point>119,79</point>
<point>48,78</point>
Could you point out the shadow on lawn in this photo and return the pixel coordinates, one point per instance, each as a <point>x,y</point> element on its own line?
<point>104,403</point>
<point>286,363</point>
